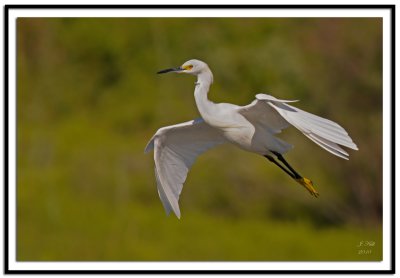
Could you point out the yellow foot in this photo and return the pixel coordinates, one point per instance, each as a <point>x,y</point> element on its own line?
<point>308,184</point>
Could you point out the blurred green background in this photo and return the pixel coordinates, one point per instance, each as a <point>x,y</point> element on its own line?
<point>89,100</point>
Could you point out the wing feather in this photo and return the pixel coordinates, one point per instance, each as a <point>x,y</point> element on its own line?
<point>327,145</point>
<point>175,150</point>
<point>275,115</point>
<point>308,123</point>
<point>260,113</point>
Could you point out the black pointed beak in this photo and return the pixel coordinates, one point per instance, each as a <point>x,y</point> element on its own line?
<point>170,70</point>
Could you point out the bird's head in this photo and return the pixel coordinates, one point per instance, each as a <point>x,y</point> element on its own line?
<point>194,67</point>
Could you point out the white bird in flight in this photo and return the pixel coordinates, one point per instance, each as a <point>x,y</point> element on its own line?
<point>252,127</point>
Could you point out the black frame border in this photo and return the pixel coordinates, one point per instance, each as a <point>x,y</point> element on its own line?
<point>392,9</point>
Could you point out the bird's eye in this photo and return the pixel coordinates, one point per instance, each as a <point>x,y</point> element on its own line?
<point>188,67</point>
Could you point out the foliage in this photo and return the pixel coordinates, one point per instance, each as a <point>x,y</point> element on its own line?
<point>89,100</point>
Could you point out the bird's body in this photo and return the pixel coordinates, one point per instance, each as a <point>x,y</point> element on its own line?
<point>252,127</point>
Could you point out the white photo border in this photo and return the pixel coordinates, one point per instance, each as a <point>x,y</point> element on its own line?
<point>12,12</point>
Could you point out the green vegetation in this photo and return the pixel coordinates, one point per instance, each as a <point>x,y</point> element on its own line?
<point>89,100</point>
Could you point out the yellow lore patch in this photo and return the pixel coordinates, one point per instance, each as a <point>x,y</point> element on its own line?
<point>188,67</point>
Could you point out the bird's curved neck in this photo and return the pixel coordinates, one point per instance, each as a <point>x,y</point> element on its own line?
<point>204,105</point>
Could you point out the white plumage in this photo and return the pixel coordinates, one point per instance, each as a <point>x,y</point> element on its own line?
<point>252,127</point>
<point>175,150</point>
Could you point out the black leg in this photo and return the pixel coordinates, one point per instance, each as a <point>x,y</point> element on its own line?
<point>270,158</point>
<point>280,157</point>
<point>307,183</point>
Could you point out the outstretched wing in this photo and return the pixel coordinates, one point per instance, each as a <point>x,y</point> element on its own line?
<point>175,149</point>
<point>261,113</point>
<point>276,114</point>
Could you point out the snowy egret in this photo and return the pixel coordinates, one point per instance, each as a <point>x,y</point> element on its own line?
<point>252,127</point>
